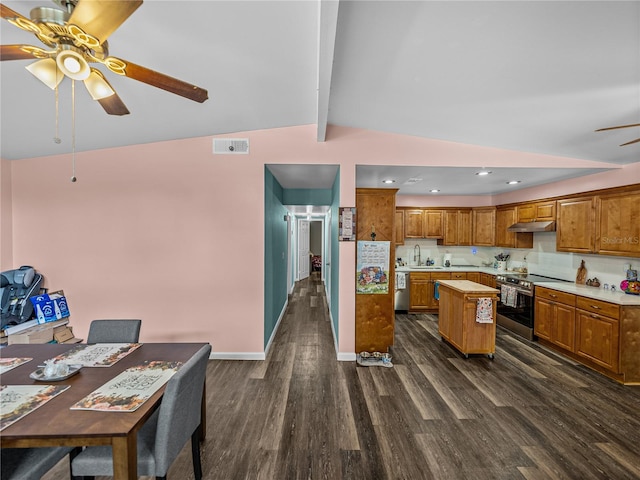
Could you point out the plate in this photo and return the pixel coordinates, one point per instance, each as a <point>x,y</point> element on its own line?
<point>39,374</point>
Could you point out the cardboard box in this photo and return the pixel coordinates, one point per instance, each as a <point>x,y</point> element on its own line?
<point>64,334</point>
<point>37,334</point>
<point>50,307</point>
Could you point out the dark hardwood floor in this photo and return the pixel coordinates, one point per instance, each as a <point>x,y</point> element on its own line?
<point>527,414</point>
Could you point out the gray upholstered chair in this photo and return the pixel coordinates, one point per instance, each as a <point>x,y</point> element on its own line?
<point>31,463</point>
<point>114,331</point>
<point>163,436</point>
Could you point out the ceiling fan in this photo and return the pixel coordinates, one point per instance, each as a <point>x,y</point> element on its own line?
<point>622,126</point>
<point>75,38</point>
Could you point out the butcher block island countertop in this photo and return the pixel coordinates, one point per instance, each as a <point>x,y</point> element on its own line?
<point>467,286</point>
<point>461,322</point>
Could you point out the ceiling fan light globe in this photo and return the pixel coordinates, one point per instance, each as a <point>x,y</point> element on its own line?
<point>98,86</point>
<point>73,65</point>
<point>47,72</point>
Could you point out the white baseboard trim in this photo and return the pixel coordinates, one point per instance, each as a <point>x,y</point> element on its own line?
<point>237,356</point>
<point>346,357</point>
<point>275,329</point>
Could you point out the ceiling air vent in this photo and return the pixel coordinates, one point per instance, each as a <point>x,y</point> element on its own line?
<point>231,146</point>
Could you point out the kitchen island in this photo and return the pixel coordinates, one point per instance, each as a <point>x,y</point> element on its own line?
<point>467,316</point>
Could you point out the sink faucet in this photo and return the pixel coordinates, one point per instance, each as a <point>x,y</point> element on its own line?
<point>414,253</point>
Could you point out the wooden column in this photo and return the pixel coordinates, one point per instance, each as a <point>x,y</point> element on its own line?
<point>375,313</point>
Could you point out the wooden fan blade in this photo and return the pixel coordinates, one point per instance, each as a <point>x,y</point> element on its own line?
<point>619,126</point>
<point>9,14</point>
<point>631,142</point>
<point>113,105</point>
<point>159,80</point>
<point>14,52</point>
<point>100,18</point>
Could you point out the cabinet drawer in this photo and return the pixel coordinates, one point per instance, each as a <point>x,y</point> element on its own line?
<point>556,296</point>
<point>440,276</point>
<point>597,306</point>
<point>417,276</point>
<point>458,275</point>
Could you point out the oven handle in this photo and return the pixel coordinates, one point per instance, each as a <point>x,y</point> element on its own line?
<point>524,292</point>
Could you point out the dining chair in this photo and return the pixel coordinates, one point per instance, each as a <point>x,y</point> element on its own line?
<point>114,331</point>
<point>163,436</point>
<point>31,463</point>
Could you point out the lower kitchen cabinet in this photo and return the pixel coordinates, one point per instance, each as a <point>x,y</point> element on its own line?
<point>488,279</point>
<point>604,335</point>
<point>422,291</point>
<point>555,317</point>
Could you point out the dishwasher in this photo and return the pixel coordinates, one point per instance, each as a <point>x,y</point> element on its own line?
<point>402,294</point>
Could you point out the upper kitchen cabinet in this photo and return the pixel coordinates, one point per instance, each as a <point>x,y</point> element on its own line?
<point>484,226</point>
<point>544,211</point>
<point>575,225</point>
<point>399,227</point>
<point>505,217</point>
<point>458,227</point>
<point>423,223</point>
<point>618,224</point>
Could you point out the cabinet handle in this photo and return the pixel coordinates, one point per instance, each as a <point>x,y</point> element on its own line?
<point>595,307</point>
<point>553,295</point>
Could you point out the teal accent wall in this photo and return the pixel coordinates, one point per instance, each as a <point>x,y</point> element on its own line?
<point>275,251</point>
<point>307,196</point>
<point>335,253</point>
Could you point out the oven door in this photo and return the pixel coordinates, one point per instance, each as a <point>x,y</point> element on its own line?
<point>522,313</point>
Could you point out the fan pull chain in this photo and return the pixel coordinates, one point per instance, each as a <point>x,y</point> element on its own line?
<point>56,139</point>
<point>73,130</point>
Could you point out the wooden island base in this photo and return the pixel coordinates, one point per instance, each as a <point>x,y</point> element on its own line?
<point>457,317</point>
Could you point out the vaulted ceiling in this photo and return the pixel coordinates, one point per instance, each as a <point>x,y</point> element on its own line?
<point>527,76</point>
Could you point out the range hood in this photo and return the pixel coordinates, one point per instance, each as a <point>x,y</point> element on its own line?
<point>549,226</point>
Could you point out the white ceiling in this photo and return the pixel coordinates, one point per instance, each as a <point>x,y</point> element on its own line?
<point>527,76</point>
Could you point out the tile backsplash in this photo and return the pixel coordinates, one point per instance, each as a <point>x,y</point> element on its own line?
<point>542,259</point>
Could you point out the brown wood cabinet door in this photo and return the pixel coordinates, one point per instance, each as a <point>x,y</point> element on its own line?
<point>399,227</point>
<point>484,226</point>
<point>563,331</point>
<point>465,227</point>
<point>575,226</point>
<point>598,339</point>
<point>433,224</point>
<point>413,224</point>
<point>505,217</point>
<point>543,317</point>
<point>618,224</point>
<point>420,291</point>
<point>526,213</point>
<point>545,211</point>
<point>450,236</point>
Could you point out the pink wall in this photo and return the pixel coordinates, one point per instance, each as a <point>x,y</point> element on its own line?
<point>170,233</point>
<point>6,217</point>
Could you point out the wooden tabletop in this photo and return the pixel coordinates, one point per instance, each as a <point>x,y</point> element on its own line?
<point>54,424</point>
<point>467,286</point>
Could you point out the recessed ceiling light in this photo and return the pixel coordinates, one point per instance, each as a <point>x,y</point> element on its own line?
<point>513,182</point>
<point>483,173</point>
<point>388,181</point>
<point>434,190</point>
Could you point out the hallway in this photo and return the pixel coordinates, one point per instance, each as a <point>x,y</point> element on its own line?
<point>300,414</point>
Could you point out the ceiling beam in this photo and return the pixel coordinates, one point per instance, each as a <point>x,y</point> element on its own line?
<point>327,26</point>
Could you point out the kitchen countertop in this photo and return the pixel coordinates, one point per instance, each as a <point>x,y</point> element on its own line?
<point>617,297</point>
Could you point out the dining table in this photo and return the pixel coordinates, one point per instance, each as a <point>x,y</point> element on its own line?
<point>54,423</point>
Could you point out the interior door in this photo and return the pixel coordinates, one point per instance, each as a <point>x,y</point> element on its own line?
<point>303,249</point>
